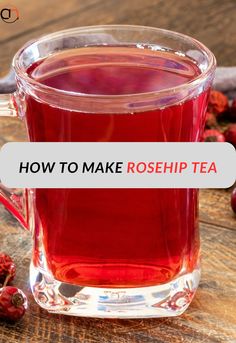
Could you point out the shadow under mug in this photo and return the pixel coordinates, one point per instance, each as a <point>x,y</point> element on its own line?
<point>123,253</point>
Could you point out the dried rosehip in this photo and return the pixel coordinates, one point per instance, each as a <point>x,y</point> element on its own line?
<point>213,136</point>
<point>233,200</point>
<point>210,120</point>
<point>230,134</point>
<point>13,303</point>
<point>7,269</point>
<point>218,103</point>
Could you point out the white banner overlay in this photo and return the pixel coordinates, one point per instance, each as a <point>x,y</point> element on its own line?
<point>117,165</point>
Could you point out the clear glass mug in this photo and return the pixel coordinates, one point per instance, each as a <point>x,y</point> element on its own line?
<point>123,253</point>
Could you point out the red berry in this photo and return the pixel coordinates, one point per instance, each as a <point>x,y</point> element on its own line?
<point>230,134</point>
<point>233,200</point>
<point>213,136</point>
<point>13,303</point>
<point>7,269</point>
<point>218,103</point>
<point>210,120</point>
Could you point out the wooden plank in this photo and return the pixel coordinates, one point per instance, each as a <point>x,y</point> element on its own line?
<point>215,207</point>
<point>12,130</point>
<point>100,14</point>
<point>215,24</point>
<point>35,15</point>
<point>210,318</point>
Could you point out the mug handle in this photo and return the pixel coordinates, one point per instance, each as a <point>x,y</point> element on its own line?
<point>13,199</point>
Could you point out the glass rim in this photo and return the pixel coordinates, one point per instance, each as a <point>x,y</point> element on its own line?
<point>16,63</point>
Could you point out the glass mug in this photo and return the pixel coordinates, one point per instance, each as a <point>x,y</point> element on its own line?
<point>123,253</point>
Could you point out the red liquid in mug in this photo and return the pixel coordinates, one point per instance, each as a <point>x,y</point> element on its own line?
<point>116,237</point>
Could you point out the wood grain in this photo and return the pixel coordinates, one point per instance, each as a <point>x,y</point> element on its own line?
<point>211,318</point>
<point>210,21</point>
<point>215,208</point>
<point>34,16</point>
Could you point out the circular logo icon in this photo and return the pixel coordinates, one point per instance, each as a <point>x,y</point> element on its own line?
<point>9,14</point>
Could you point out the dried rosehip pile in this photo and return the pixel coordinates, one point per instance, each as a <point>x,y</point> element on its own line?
<point>221,124</point>
<point>218,103</point>
<point>13,302</point>
<point>219,119</point>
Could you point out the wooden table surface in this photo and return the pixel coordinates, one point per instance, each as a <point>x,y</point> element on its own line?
<point>212,315</point>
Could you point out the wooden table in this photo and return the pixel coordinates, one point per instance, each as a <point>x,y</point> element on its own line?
<point>212,315</point>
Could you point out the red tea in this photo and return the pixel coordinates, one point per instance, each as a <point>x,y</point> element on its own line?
<point>116,237</point>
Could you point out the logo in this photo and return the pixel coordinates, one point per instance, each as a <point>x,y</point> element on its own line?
<point>9,14</point>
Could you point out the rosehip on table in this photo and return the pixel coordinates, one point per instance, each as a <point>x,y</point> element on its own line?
<point>211,121</point>
<point>233,200</point>
<point>230,134</point>
<point>218,103</point>
<point>7,269</point>
<point>213,136</point>
<point>13,303</point>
